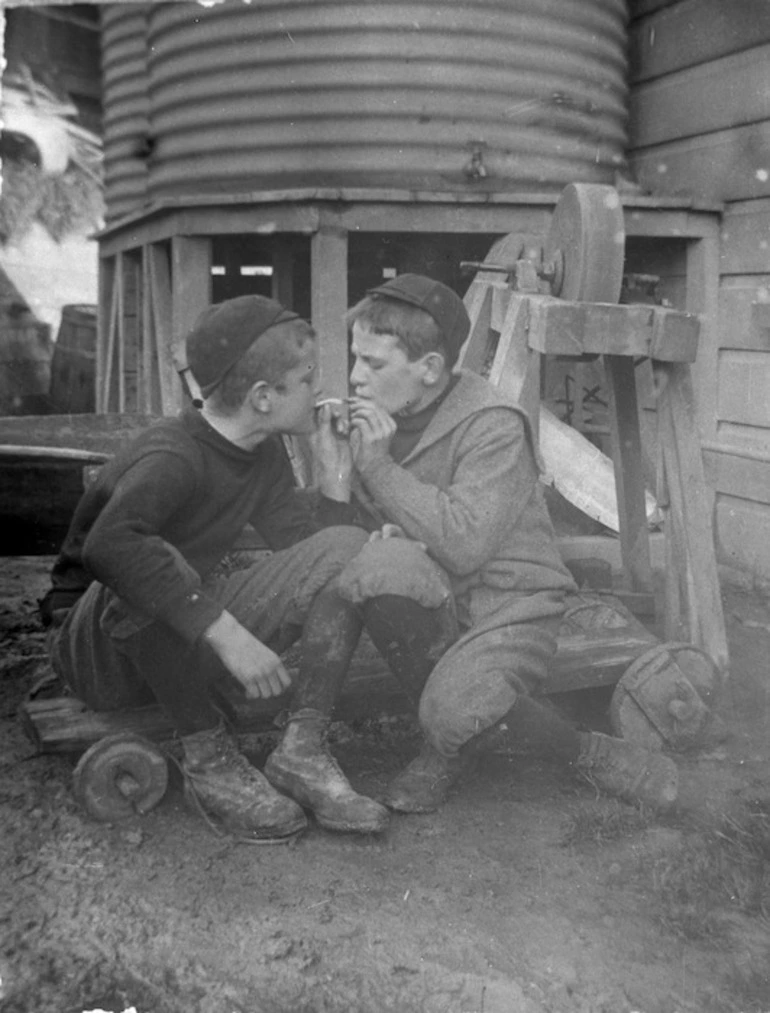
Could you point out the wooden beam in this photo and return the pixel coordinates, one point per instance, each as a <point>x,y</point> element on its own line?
<point>328,305</point>
<point>563,328</point>
<point>147,381</point>
<point>702,296</point>
<point>190,295</point>
<point>159,270</point>
<point>407,212</point>
<point>104,324</point>
<point>516,367</point>
<point>476,350</point>
<point>262,219</point>
<point>629,471</point>
<point>429,217</point>
<point>282,289</point>
<point>686,486</point>
<point>110,391</point>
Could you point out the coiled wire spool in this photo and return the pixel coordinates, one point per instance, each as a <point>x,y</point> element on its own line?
<point>120,776</point>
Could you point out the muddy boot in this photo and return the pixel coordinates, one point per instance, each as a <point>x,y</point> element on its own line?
<point>629,771</point>
<point>303,767</point>
<point>226,786</point>
<point>423,786</point>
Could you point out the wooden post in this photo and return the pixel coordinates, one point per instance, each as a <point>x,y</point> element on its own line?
<point>147,381</point>
<point>702,296</point>
<point>692,535</point>
<point>476,349</point>
<point>132,332</point>
<point>190,295</point>
<point>516,367</point>
<point>109,393</point>
<point>283,273</point>
<point>629,471</point>
<point>328,304</point>
<point>106,298</point>
<point>159,276</point>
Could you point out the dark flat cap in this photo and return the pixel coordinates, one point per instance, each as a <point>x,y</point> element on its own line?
<point>444,305</point>
<point>224,332</point>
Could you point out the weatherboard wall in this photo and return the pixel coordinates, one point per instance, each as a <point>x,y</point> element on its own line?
<point>700,126</point>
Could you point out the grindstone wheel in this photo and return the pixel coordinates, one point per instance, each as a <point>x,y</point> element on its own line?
<point>119,776</point>
<point>665,698</point>
<point>586,244</point>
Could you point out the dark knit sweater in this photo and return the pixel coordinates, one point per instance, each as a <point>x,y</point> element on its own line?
<point>164,512</point>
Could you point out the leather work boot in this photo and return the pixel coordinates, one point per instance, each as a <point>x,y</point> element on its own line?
<point>303,767</point>
<point>629,771</point>
<point>229,788</point>
<point>422,786</point>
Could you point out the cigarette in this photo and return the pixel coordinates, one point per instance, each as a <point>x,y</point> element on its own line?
<point>332,400</point>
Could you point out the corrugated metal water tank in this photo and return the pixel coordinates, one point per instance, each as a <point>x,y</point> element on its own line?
<point>436,95</point>
<point>126,126</point>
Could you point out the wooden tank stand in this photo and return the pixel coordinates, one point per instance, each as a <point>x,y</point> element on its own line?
<point>155,266</point>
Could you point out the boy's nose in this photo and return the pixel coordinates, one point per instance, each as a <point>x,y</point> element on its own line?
<point>355,376</point>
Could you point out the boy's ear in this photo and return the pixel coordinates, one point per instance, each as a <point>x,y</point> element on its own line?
<point>261,397</point>
<point>434,365</point>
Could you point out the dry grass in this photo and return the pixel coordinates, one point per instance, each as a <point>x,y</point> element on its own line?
<point>711,886</point>
<point>715,890</point>
<point>604,822</point>
<point>717,869</point>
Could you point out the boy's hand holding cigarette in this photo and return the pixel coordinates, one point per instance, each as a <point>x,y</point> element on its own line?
<point>372,430</point>
<point>331,449</point>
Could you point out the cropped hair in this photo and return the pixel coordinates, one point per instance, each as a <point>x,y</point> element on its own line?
<point>416,330</point>
<point>275,352</point>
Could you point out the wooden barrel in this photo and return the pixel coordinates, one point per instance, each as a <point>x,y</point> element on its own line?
<point>73,365</point>
<point>25,367</point>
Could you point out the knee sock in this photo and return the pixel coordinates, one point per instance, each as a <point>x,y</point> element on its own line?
<point>410,638</point>
<point>329,638</point>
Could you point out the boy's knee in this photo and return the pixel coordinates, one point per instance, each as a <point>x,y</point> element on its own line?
<point>395,566</point>
<point>463,697</point>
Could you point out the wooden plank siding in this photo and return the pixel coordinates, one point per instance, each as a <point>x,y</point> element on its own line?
<point>744,383</point>
<point>745,240</point>
<point>723,166</point>
<point>744,309</point>
<point>700,126</point>
<point>729,92</point>
<point>666,39</point>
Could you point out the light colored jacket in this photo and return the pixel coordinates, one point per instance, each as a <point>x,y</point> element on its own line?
<point>470,491</point>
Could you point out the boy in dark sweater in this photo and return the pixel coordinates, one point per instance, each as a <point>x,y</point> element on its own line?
<point>137,610</point>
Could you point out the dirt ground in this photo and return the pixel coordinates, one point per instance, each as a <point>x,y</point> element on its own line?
<point>526,894</point>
